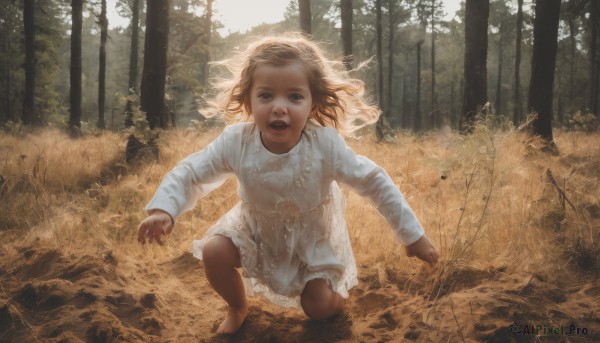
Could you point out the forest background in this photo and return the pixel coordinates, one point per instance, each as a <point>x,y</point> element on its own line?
<point>416,71</point>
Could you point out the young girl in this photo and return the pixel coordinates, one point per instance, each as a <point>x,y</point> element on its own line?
<point>287,234</point>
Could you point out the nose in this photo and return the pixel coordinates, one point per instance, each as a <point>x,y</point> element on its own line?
<point>279,107</point>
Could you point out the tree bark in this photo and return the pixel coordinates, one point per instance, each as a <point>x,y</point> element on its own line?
<point>379,125</point>
<point>543,62</point>
<point>346,13</point>
<point>391,28</point>
<point>7,67</point>
<point>594,97</point>
<point>518,109</point>
<point>403,111</point>
<point>572,55</point>
<point>155,63</point>
<point>475,65</point>
<point>405,100</point>
<point>30,70</point>
<point>75,92</point>
<point>305,16</point>
<point>102,67</point>
<point>418,119</point>
<point>133,62</point>
<point>559,104</point>
<point>461,90</point>
<point>434,113</point>
<point>452,96</point>
<point>499,81</point>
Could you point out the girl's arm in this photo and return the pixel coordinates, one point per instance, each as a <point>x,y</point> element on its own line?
<point>371,181</point>
<point>196,175</point>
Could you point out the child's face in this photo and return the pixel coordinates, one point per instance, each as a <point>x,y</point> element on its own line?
<point>281,102</point>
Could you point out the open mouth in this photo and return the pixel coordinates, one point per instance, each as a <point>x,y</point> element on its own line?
<point>278,125</point>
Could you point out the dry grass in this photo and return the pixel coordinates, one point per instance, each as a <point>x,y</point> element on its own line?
<point>484,199</point>
<point>508,220</point>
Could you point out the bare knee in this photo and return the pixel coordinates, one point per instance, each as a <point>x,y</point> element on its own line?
<point>220,251</point>
<point>319,301</point>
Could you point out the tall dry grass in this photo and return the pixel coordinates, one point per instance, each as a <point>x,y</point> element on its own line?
<point>485,199</point>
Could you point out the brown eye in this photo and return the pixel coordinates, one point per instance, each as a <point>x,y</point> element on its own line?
<point>296,97</point>
<point>265,96</point>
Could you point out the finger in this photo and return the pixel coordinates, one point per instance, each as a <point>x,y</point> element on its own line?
<point>433,259</point>
<point>425,258</point>
<point>157,236</point>
<point>165,230</point>
<point>434,255</point>
<point>141,233</point>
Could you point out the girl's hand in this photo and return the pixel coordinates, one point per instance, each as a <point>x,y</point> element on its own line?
<point>424,250</point>
<point>157,224</point>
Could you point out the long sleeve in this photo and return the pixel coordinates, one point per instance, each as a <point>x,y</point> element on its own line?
<point>196,176</point>
<point>371,181</point>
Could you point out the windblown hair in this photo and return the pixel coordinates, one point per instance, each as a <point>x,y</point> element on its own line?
<point>337,99</point>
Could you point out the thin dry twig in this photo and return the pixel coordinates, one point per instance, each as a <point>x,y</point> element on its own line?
<point>456,320</point>
<point>563,196</point>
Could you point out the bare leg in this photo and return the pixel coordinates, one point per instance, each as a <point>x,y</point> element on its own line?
<point>319,301</point>
<point>221,257</point>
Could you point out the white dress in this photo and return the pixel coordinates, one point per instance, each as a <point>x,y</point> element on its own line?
<point>289,225</point>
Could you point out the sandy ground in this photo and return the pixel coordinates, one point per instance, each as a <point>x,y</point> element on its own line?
<point>50,295</point>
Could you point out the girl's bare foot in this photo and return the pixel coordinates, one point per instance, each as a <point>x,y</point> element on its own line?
<point>234,320</point>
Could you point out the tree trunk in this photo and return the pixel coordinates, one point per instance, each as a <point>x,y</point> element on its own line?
<point>379,125</point>
<point>75,93</point>
<point>559,104</point>
<point>418,120</point>
<point>543,62</point>
<point>594,100</point>
<point>499,81</point>
<point>155,63</point>
<point>475,68</point>
<point>452,103</point>
<point>102,68</point>
<point>133,62</point>
<point>572,41</point>
<point>403,105</point>
<point>207,38</point>
<point>518,109</point>
<point>29,31</point>
<point>346,12</point>
<point>391,27</point>
<point>305,16</point>
<point>461,89</point>
<point>434,113</point>
<point>405,100</point>
<point>7,67</point>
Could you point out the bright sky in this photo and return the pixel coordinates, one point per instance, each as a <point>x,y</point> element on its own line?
<point>451,6</point>
<point>242,15</point>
